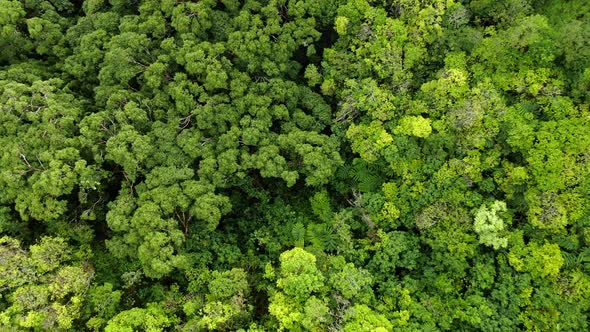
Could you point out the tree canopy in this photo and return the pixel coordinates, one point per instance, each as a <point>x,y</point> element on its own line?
<point>295,165</point>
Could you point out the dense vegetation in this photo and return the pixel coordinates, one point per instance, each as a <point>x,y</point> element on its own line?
<point>333,165</point>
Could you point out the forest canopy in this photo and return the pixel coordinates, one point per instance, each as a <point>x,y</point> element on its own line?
<point>295,165</point>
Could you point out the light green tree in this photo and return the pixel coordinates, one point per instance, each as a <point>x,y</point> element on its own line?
<point>489,225</point>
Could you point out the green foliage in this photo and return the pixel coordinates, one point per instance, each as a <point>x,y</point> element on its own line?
<point>295,305</point>
<point>223,305</point>
<point>298,276</point>
<point>43,286</point>
<point>153,318</point>
<point>262,165</point>
<point>101,305</point>
<point>415,126</point>
<point>362,318</point>
<point>489,225</point>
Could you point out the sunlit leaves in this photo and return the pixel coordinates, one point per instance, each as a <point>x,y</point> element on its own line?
<point>44,286</point>
<point>152,318</point>
<point>489,225</point>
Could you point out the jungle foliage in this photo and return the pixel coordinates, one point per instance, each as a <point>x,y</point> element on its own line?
<point>299,165</point>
